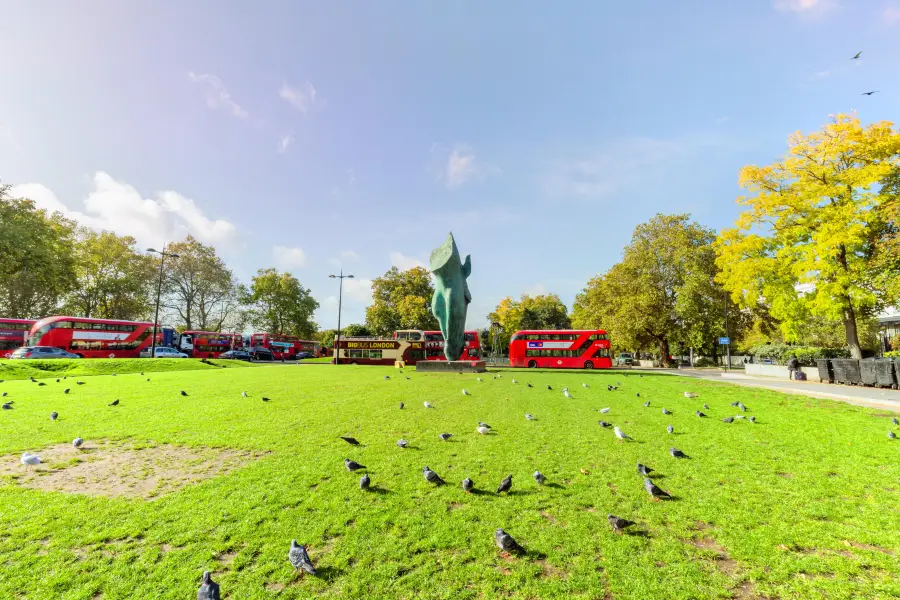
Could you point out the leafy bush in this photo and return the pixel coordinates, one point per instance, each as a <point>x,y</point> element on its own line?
<point>806,355</point>
<point>703,362</point>
<point>892,354</point>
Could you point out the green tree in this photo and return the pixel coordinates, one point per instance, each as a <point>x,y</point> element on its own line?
<point>401,300</point>
<point>280,305</point>
<point>356,330</point>
<point>816,217</point>
<point>200,289</point>
<point>37,267</point>
<point>326,337</point>
<point>545,311</point>
<point>114,280</point>
<point>662,293</point>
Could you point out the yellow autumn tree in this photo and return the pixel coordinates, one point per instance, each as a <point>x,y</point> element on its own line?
<point>805,243</point>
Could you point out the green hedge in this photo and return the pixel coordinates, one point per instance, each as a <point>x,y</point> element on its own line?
<point>807,355</point>
<point>892,354</point>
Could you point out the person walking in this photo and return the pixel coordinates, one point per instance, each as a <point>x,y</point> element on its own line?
<point>793,365</point>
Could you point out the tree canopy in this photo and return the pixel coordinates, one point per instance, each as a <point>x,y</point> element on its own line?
<point>545,311</point>
<point>401,300</point>
<point>280,305</point>
<point>817,217</point>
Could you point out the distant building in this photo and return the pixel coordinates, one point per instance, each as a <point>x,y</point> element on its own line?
<point>889,328</point>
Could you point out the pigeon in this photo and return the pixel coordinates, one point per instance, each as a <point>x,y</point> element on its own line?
<point>529,416</point>
<point>402,443</point>
<point>739,417</point>
<point>401,406</point>
<point>57,380</point>
<point>855,56</point>
<point>621,434</point>
<point>29,459</point>
<point>676,453</point>
<point>79,383</point>
<point>407,377</point>
<point>705,406</point>
<point>445,436</point>
<point>752,419</point>
<point>300,559</point>
<point>264,399</point>
<point>528,385</point>
<point>482,424</point>
<point>690,395</point>
<point>644,469</point>
<point>549,388</point>
<point>468,485</point>
<point>638,395</point>
<point>584,385</point>
<point>352,465</point>
<point>465,392</point>
<point>505,484</point>
<point>666,411</point>
<point>479,379</point>
<point>735,403</point>
<point>539,478</point>
<point>41,384</point>
<point>114,402</point>
<point>209,589</point>
<point>432,477</point>
<point>514,380</point>
<point>243,394</point>
<point>618,524</point>
<point>604,424</point>
<point>364,482</point>
<point>895,421</point>
<point>183,393</point>
<point>428,404</point>
<point>54,415</point>
<point>892,435</point>
<point>4,393</point>
<point>670,429</point>
<point>66,391</point>
<point>654,491</point>
<point>869,93</point>
<point>506,543</point>
<point>387,377</point>
<point>483,430</point>
<point>77,442</point>
<point>604,410</point>
<point>728,420</point>
<point>647,403</point>
<point>567,394</point>
<point>7,406</point>
<point>700,414</point>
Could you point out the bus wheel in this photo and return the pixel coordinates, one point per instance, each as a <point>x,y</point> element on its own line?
<point>79,355</point>
<point>588,365</point>
<point>532,364</point>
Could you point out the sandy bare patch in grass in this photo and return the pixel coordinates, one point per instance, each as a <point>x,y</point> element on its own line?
<point>107,469</point>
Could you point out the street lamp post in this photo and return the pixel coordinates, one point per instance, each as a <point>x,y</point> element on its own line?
<point>728,345</point>
<point>337,344</point>
<point>162,259</point>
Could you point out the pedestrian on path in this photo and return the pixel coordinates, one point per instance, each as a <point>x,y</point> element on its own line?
<point>793,365</point>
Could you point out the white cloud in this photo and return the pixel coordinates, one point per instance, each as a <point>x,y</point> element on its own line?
<point>302,98</point>
<point>891,15</point>
<point>358,289</point>
<point>462,167</point>
<point>217,95</point>
<point>403,262</point>
<point>819,75</point>
<point>119,207</point>
<point>617,165</point>
<point>284,143</point>
<point>347,256</point>
<point>538,289</point>
<point>804,6</point>
<point>289,258</point>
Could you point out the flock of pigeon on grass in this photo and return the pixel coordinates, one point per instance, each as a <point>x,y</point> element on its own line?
<point>297,554</point>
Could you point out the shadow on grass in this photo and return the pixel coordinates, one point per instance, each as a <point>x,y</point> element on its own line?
<point>328,574</point>
<point>554,485</point>
<point>376,489</point>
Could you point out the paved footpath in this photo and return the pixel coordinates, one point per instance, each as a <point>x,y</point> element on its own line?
<point>861,396</point>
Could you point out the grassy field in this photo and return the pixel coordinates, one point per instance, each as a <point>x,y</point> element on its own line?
<point>23,369</point>
<point>802,504</point>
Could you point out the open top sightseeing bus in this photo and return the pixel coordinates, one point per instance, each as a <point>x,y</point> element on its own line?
<point>434,346</point>
<point>208,344</point>
<point>405,345</point>
<point>562,348</point>
<point>13,333</point>
<point>93,338</point>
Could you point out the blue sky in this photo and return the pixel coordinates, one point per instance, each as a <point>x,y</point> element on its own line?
<point>312,136</point>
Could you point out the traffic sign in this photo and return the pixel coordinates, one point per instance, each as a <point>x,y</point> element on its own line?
<point>724,341</point>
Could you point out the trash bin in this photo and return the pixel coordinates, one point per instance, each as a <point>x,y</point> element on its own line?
<point>867,371</point>
<point>885,374</point>
<point>825,371</point>
<point>846,370</point>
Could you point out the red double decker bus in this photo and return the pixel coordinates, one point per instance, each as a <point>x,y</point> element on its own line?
<point>208,344</point>
<point>434,346</point>
<point>93,338</point>
<point>13,333</point>
<point>563,349</point>
<point>283,346</point>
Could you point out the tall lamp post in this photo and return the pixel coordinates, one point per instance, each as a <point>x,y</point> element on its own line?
<point>337,344</point>
<point>162,259</point>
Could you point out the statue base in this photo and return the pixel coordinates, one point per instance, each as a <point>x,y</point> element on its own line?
<point>450,366</point>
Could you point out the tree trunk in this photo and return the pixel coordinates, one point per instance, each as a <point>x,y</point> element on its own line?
<point>663,351</point>
<point>849,318</point>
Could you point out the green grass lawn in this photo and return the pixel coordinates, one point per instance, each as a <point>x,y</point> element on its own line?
<point>23,369</point>
<point>803,504</point>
